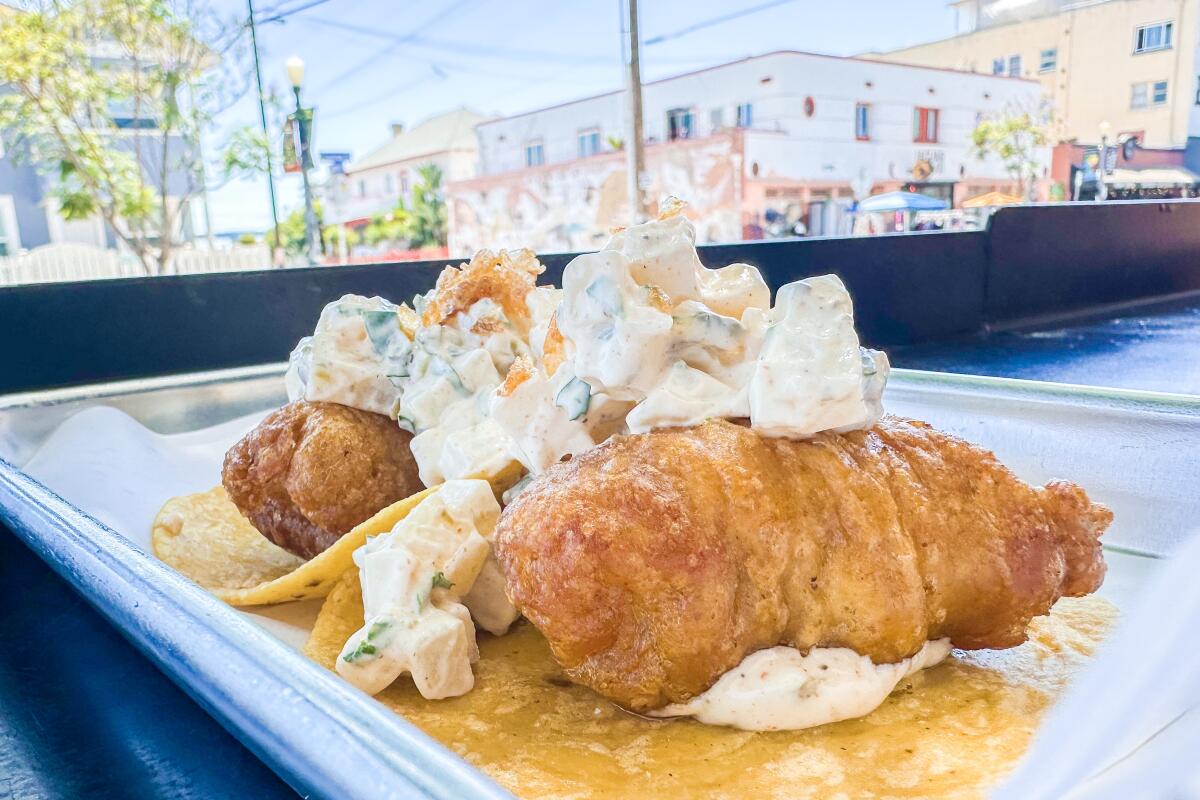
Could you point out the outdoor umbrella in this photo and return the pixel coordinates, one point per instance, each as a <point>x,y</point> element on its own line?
<point>988,199</point>
<point>901,201</point>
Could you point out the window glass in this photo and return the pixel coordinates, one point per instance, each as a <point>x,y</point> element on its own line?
<point>925,125</point>
<point>862,121</point>
<point>1137,97</point>
<point>535,154</point>
<point>745,115</point>
<point>589,142</point>
<point>680,124</point>
<point>1152,37</point>
<point>1048,60</point>
<point>1014,66</point>
<point>998,66</point>
<point>716,118</point>
<point>1159,95</point>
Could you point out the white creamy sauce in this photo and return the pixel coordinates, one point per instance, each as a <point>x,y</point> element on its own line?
<point>650,338</point>
<point>422,583</point>
<point>780,688</point>
<point>649,324</point>
<point>356,356</point>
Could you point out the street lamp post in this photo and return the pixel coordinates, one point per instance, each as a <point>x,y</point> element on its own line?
<point>1101,186</point>
<point>295,73</point>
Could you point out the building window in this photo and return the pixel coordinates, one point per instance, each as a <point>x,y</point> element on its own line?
<point>1048,60</point>
<point>925,125</point>
<point>362,188</point>
<point>1014,66</point>
<point>716,118</point>
<point>535,154</point>
<point>1138,96</point>
<point>1149,38</point>
<point>589,142</point>
<point>681,124</point>
<point>389,184</point>
<point>862,121</point>
<point>1158,94</point>
<point>404,184</point>
<point>745,115</point>
<point>997,66</point>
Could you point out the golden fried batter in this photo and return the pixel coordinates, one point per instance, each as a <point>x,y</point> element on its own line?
<point>312,471</point>
<point>504,276</point>
<point>655,563</point>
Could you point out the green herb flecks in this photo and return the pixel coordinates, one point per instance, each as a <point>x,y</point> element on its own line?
<point>368,648</point>
<point>440,581</point>
<point>607,296</point>
<point>574,398</point>
<point>440,366</point>
<point>381,327</point>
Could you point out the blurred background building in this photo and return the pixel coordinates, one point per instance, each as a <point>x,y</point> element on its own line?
<point>1124,68</point>
<point>779,144</point>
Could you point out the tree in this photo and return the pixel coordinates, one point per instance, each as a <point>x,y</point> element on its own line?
<point>1014,138</point>
<point>293,231</point>
<point>109,97</point>
<point>427,216</point>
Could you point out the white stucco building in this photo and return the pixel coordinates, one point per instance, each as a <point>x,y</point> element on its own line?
<point>375,182</point>
<point>785,133</point>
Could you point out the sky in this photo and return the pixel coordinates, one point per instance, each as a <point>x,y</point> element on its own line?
<point>370,63</point>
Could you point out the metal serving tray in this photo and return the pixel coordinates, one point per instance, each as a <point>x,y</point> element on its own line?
<point>1133,451</point>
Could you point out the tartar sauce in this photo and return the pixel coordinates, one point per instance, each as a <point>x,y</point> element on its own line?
<point>355,356</point>
<point>422,584</point>
<point>780,688</point>
<point>641,336</point>
<point>653,334</point>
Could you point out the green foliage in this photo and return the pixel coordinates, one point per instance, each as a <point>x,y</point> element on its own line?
<point>292,230</point>
<point>418,223</point>
<point>96,93</point>
<point>1014,138</point>
<point>246,152</point>
<point>333,233</point>
<point>427,217</point>
<point>247,239</point>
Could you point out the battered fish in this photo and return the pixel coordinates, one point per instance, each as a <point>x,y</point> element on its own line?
<point>312,471</point>
<point>655,563</point>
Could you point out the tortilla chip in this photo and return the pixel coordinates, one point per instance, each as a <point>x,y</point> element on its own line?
<point>341,615</point>
<point>954,730</point>
<point>205,537</point>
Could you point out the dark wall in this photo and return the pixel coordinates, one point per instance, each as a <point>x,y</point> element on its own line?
<point>1061,258</point>
<point>907,288</point>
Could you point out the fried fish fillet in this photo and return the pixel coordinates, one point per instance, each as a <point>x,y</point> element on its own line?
<point>312,471</point>
<point>655,563</point>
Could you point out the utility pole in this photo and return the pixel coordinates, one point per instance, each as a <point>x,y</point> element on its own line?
<point>262,114</point>
<point>304,120</point>
<point>635,155</point>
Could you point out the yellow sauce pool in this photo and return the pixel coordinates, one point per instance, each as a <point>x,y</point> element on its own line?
<point>951,731</point>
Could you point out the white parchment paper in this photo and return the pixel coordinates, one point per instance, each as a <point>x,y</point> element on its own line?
<point>110,465</point>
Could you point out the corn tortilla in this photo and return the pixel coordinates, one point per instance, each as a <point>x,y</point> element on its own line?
<point>952,731</point>
<point>205,537</point>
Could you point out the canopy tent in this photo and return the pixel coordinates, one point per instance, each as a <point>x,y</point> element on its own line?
<point>992,199</point>
<point>901,201</point>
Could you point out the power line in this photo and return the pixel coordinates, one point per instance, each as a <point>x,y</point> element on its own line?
<point>708,23</point>
<point>384,96</point>
<point>278,16</point>
<point>401,39</point>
